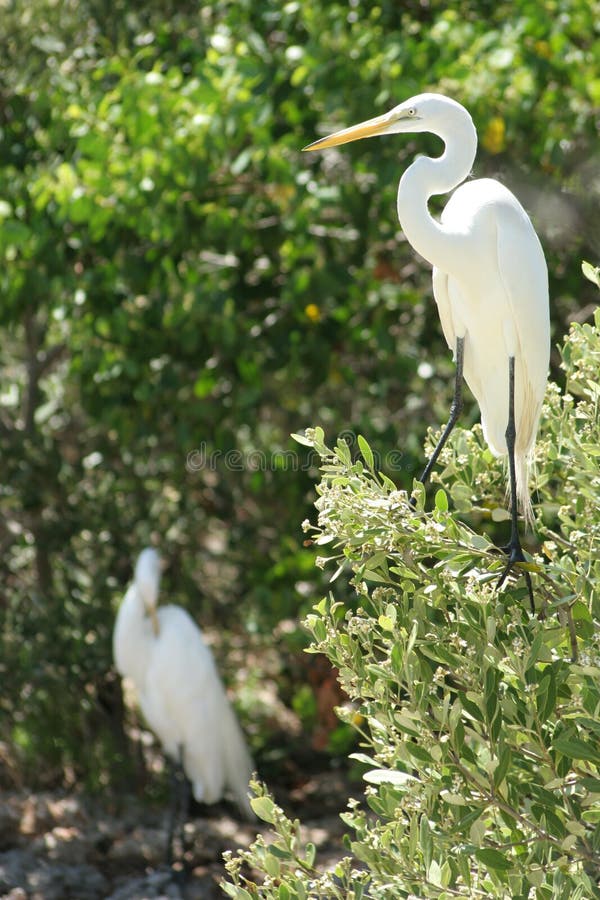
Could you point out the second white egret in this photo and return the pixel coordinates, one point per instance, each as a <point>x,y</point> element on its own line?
<point>161,649</point>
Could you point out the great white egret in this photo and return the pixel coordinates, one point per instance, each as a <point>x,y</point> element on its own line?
<point>490,283</point>
<point>162,651</point>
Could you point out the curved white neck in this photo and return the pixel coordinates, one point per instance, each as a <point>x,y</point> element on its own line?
<point>427,177</point>
<point>133,638</point>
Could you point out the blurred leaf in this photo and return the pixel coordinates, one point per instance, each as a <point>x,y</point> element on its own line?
<point>592,273</point>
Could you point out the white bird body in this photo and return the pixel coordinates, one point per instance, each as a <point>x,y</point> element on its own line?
<point>490,279</point>
<point>179,689</point>
<point>500,307</point>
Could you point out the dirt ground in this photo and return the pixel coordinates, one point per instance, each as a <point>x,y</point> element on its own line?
<point>58,846</point>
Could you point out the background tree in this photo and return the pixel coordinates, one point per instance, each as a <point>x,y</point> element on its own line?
<point>181,290</point>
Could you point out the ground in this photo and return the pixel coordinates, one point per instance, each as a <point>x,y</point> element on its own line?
<point>59,846</point>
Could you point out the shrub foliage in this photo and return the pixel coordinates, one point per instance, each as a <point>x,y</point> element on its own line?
<point>481,721</point>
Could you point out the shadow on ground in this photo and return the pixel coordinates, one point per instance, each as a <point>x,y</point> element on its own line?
<point>57,846</point>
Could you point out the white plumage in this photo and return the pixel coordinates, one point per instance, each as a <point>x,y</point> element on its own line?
<point>490,279</point>
<point>162,651</point>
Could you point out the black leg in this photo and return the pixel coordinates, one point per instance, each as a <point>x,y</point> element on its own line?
<point>173,811</point>
<point>514,549</point>
<point>185,807</point>
<point>177,817</point>
<point>455,411</point>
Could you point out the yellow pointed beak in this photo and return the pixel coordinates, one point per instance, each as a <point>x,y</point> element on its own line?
<point>370,128</point>
<point>154,620</point>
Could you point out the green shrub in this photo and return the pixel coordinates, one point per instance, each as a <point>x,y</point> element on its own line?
<point>482,722</point>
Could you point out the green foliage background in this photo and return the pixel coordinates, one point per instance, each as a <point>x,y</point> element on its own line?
<point>178,283</point>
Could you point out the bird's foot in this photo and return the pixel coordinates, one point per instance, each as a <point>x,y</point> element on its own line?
<point>178,857</point>
<point>515,556</point>
<point>180,871</point>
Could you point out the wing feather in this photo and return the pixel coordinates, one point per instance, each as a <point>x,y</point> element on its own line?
<point>524,275</point>
<point>441,294</point>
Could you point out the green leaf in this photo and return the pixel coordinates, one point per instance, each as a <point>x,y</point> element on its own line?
<point>412,637</point>
<point>301,439</point>
<point>319,436</point>
<point>280,852</point>
<point>418,752</point>
<point>358,890</point>
<point>236,891</point>
<point>413,836</point>
<point>575,748</point>
<point>272,865</point>
<point>425,840</point>
<point>546,695</point>
<point>366,451</point>
<point>591,784</point>
<point>300,889</point>
<point>534,650</point>
<point>503,766</point>
<point>477,829</point>
<point>434,873</point>
<point>361,757</point>
<point>491,693</point>
<point>493,859</point>
<point>471,708</point>
<point>319,628</point>
<point>343,452</point>
<point>453,799</point>
<point>397,659</point>
<point>264,808</point>
<point>441,500</point>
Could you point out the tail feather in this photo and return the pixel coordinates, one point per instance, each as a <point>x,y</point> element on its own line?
<point>522,469</point>
<point>527,426</point>
<point>238,763</point>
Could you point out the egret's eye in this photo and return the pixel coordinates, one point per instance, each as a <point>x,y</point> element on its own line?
<point>411,112</point>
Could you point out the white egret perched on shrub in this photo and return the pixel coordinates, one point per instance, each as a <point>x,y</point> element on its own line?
<point>490,283</point>
<point>161,649</point>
